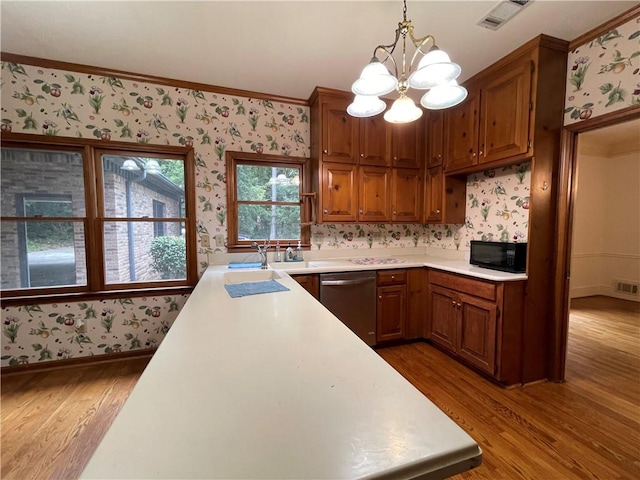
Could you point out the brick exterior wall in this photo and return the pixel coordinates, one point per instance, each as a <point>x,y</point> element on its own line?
<point>52,173</point>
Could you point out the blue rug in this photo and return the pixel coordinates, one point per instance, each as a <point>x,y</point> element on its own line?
<point>254,288</point>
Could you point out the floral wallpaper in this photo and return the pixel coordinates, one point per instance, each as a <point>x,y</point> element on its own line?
<point>63,103</point>
<point>604,74</point>
<point>40,333</point>
<point>497,210</point>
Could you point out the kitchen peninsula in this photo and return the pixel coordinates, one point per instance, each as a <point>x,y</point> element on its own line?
<point>274,386</point>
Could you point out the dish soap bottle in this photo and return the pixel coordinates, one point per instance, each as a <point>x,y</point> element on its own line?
<point>299,254</point>
<point>277,257</point>
<point>288,254</point>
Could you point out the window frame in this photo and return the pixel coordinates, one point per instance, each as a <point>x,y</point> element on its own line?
<point>94,219</point>
<point>234,244</point>
<point>158,227</point>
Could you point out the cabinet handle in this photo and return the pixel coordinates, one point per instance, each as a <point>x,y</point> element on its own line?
<point>325,151</point>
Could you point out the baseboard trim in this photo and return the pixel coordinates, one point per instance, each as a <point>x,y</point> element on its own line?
<point>601,290</point>
<point>77,362</point>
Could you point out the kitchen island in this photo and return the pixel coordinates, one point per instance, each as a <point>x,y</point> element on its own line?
<point>274,386</point>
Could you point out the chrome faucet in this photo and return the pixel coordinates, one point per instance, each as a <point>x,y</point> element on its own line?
<point>262,250</point>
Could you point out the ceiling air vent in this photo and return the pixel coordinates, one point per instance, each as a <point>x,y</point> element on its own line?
<point>502,12</point>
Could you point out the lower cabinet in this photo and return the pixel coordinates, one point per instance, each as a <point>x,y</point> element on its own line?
<point>479,322</point>
<point>310,283</point>
<point>391,311</point>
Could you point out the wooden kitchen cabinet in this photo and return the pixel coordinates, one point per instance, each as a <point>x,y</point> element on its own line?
<point>407,140</point>
<point>339,199</point>
<point>374,184</point>
<point>492,124</point>
<point>391,309</point>
<point>417,301</point>
<point>364,169</point>
<point>310,283</point>
<point>407,185</point>
<point>435,138</point>
<point>479,322</point>
<point>444,198</point>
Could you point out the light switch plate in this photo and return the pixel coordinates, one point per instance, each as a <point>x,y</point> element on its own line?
<point>205,241</point>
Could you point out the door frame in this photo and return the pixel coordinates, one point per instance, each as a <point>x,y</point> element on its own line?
<point>564,220</point>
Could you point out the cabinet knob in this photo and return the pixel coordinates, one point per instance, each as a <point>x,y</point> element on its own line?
<point>395,158</point>
<point>473,154</point>
<point>393,277</point>
<point>325,151</point>
<point>380,297</point>
<point>394,212</point>
<point>362,155</point>
<point>458,305</point>
<point>361,212</point>
<point>453,302</point>
<point>439,155</point>
<point>480,152</point>
<point>325,211</point>
<point>438,212</point>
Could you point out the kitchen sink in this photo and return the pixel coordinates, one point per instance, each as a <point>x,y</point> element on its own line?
<point>250,276</point>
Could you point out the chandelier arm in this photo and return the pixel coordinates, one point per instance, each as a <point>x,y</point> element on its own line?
<point>383,48</point>
<point>419,43</point>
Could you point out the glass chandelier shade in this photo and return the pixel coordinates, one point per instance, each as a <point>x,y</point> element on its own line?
<point>444,96</point>
<point>435,72</point>
<point>366,106</point>
<point>403,110</point>
<point>434,69</point>
<point>130,165</point>
<point>374,80</point>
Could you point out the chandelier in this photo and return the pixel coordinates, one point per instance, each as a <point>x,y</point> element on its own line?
<point>435,72</point>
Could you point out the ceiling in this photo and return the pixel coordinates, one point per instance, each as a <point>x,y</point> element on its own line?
<point>614,140</point>
<point>281,48</point>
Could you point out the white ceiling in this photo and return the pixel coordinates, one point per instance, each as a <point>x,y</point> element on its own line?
<point>281,48</point>
<point>613,140</point>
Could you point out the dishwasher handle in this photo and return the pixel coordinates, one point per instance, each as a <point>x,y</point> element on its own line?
<point>345,282</point>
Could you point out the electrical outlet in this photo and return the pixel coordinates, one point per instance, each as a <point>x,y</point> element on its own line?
<point>219,240</point>
<point>205,242</point>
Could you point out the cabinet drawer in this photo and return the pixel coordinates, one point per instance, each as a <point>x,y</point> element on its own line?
<point>392,277</point>
<point>471,286</point>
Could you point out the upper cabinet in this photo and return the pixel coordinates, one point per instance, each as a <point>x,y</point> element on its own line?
<point>435,138</point>
<point>508,107</point>
<point>364,169</point>
<point>492,124</point>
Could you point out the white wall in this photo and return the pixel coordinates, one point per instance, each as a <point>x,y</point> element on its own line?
<point>606,225</point>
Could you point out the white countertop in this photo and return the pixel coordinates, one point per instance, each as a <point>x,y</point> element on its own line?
<point>274,386</point>
<point>462,267</point>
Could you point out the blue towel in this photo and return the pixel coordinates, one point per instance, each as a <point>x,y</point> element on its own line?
<point>245,264</point>
<point>254,288</point>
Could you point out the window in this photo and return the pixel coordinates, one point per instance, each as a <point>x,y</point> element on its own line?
<point>264,195</point>
<point>62,234</point>
<point>158,212</point>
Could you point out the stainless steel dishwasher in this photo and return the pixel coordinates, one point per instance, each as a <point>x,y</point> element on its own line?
<point>351,296</point>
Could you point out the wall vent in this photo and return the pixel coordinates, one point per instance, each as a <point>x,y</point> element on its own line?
<point>502,12</point>
<point>626,287</point>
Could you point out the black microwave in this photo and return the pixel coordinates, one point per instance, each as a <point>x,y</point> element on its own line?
<point>507,257</point>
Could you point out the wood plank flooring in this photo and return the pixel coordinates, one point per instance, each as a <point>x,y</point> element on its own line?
<point>588,427</point>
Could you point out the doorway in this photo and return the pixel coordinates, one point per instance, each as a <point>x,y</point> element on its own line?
<point>568,192</point>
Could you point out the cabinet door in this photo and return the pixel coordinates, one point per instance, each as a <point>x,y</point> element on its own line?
<point>416,302</point>
<point>406,195</point>
<point>461,133</point>
<point>504,113</point>
<point>339,194</point>
<point>435,138</point>
<point>309,283</point>
<point>374,186</point>
<point>373,142</point>
<point>442,324</point>
<point>476,341</point>
<point>434,195</point>
<point>391,313</point>
<point>406,144</point>
<point>339,133</point>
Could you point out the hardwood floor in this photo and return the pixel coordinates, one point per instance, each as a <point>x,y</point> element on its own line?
<point>588,427</point>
